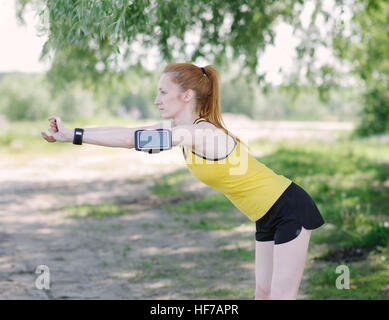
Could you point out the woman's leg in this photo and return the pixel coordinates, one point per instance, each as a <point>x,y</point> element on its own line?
<point>263,269</point>
<point>288,266</point>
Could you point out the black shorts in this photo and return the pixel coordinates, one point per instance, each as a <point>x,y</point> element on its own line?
<point>293,209</point>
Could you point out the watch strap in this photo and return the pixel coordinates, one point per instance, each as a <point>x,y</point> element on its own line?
<point>78,135</point>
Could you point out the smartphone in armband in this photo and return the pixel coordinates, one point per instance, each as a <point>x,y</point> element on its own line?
<point>153,140</point>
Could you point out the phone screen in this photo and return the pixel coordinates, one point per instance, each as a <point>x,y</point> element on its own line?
<point>153,139</point>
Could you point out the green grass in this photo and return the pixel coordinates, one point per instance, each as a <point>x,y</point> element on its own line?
<point>208,202</point>
<point>125,250</point>
<point>238,254</point>
<point>169,184</point>
<point>99,211</point>
<point>187,211</point>
<point>228,222</point>
<point>210,224</point>
<point>158,225</point>
<point>151,268</point>
<point>368,279</point>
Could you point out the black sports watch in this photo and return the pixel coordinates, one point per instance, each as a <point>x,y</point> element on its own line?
<point>78,134</point>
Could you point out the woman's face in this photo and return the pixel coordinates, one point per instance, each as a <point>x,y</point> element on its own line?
<point>169,98</point>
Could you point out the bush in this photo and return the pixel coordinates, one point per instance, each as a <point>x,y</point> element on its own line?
<point>375,115</point>
<point>23,97</point>
<point>377,236</point>
<point>27,97</point>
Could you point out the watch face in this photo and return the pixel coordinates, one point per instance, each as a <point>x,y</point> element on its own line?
<point>154,139</point>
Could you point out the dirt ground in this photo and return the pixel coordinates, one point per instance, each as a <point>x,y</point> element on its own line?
<point>112,257</point>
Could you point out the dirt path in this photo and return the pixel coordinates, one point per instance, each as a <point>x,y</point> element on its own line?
<point>140,255</point>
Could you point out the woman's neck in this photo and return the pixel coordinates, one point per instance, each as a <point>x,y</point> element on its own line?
<point>185,119</point>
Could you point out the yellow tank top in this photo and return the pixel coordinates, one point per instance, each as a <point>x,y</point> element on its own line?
<point>251,186</point>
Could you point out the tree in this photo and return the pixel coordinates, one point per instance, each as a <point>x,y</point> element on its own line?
<point>357,32</point>
<point>367,48</point>
<point>87,39</point>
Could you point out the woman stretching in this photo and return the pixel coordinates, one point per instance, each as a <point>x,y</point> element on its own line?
<point>283,212</point>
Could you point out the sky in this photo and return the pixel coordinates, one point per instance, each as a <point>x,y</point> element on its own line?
<point>21,45</point>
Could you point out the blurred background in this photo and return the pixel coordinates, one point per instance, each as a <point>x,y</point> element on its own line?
<point>307,79</point>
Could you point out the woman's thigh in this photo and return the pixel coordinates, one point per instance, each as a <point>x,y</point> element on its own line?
<point>263,267</point>
<point>288,266</point>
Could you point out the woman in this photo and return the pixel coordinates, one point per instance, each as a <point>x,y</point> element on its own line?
<point>283,212</point>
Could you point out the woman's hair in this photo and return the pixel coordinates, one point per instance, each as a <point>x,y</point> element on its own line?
<point>206,87</point>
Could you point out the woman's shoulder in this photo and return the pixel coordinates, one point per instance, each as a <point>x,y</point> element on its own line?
<point>216,145</point>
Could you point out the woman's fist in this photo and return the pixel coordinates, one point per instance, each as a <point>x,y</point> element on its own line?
<point>58,131</point>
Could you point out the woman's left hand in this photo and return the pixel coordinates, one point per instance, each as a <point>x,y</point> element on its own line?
<point>58,131</point>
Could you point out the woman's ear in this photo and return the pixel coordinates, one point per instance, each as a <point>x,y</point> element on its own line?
<point>188,95</point>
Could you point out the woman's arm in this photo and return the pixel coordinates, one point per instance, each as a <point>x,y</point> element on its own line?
<point>205,138</point>
<point>115,137</point>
